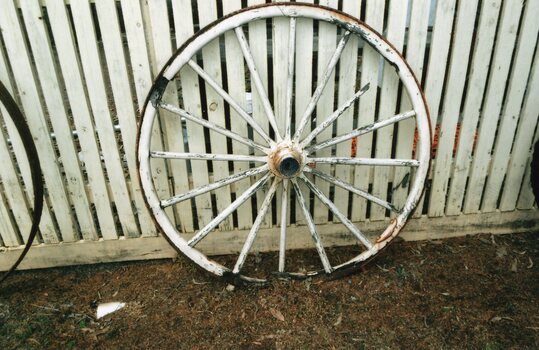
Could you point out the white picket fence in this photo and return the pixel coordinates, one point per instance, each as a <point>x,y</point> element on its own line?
<point>81,70</point>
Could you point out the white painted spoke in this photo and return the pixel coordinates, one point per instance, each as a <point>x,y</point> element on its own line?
<point>342,218</point>
<point>213,186</point>
<point>213,126</point>
<point>255,78</point>
<point>284,217</point>
<point>256,227</point>
<point>228,210</point>
<point>312,228</point>
<point>360,131</point>
<point>290,77</point>
<point>226,96</point>
<point>364,161</point>
<point>334,116</point>
<point>349,187</point>
<point>321,85</point>
<point>207,156</point>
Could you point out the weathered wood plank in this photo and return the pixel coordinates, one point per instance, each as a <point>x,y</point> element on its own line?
<point>388,100</point>
<point>524,143</point>
<point>46,226</point>
<point>327,44</point>
<point>258,36</point>
<point>521,63</point>
<point>93,252</point>
<point>415,52</point>
<point>235,70</point>
<point>370,63</point>
<point>303,88</point>
<point>171,125</point>
<point>97,94</point>
<point>505,43</point>
<point>138,47</point>
<point>45,66</point>
<point>123,101</point>
<point>31,105</point>
<point>348,71</point>
<point>439,51</point>
<point>484,43</point>
<point>450,114</point>
<point>191,102</point>
<point>215,107</point>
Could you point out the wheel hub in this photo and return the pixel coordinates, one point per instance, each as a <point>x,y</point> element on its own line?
<point>285,160</point>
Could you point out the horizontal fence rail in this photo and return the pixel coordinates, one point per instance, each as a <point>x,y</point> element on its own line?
<point>80,71</point>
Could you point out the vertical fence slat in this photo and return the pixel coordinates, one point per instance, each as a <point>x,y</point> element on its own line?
<point>505,43</point>
<point>65,46</point>
<point>142,79</point>
<point>415,52</point>
<point>191,99</point>
<point>171,124</point>
<point>23,75</point>
<point>280,26</point>
<point>303,85</point>
<point>439,50</point>
<point>524,141</point>
<point>346,88</point>
<point>463,34</point>
<point>98,97</point>
<point>477,83</point>
<point>46,225</point>
<point>123,100</point>
<point>280,38</point>
<point>211,57</point>
<point>12,187</point>
<point>388,100</point>
<point>327,43</point>
<point>7,229</point>
<point>258,44</point>
<point>370,62</point>
<point>510,115</point>
<point>235,69</point>
<point>44,61</point>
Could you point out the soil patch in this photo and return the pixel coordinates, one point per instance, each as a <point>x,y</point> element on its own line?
<point>478,292</point>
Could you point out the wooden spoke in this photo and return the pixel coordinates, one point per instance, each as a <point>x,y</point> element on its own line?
<point>353,189</point>
<point>213,126</point>
<point>284,217</point>
<point>321,85</point>
<point>312,228</point>
<point>255,77</point>
<point>226,96</point>
<point>360,131</point>
<point>334,116</point>
<point>228,210</point>
<point>256,227</point>
<point>360,236</point>
<point>290,77</point>
<point>213,186</point>
<point>208,156</point>
<point>364,161</point>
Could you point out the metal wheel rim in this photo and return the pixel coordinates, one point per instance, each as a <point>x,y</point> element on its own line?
<point>238,19</point>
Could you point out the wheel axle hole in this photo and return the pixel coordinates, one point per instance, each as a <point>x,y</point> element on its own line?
<point>289,166</point>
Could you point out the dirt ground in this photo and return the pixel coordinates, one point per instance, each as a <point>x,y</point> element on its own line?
<point>479,292</point>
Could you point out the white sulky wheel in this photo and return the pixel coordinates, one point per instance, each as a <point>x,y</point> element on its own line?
<point>284,157</point>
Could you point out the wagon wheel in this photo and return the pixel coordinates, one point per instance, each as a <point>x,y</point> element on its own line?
<point>283,157</point>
